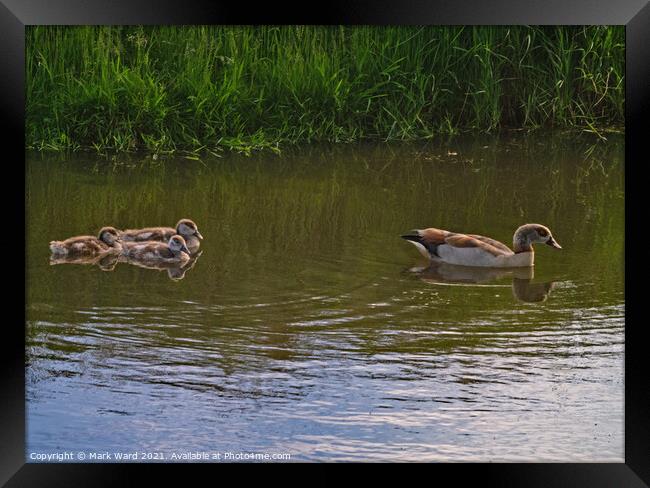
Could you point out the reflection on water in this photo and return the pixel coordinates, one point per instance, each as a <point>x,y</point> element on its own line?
<point>526,291</point>
<point>523,287</point>
<point>301,332</point>
<point>107,262</point>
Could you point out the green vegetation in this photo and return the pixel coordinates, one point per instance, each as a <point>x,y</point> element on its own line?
<point>205,88</point>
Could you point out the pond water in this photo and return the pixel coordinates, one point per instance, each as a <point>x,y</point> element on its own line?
<point>307,327</point>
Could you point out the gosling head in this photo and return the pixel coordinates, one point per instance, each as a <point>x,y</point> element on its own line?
<point>177,245</point>
<point>109,235</point>
<point>187,228</point>
<point>533,234</point>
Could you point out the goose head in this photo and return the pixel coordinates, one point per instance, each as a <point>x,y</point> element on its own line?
<point>529,234</point>
<point>187,229</point>
<point>177,245</point>
<point>109,235</point>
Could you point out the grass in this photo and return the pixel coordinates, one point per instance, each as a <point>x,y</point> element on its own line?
<point>208,88</point>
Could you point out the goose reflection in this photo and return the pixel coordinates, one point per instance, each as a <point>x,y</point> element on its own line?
<point>523,288</point>
<point>105,262</point>
<point>526,291</point>
<point>175,271</point>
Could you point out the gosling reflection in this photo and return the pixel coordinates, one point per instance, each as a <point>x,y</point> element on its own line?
<point>105,262</point>
<point>108,262</point>
<point>175,271</point>
<point>523,288</point>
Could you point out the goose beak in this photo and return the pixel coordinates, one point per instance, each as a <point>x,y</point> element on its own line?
<point>553,243</point>
<point>184,248</point>
<point>198,234</point>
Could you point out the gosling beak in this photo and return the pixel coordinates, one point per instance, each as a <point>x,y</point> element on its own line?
<point>184,248</point>
<point>553,243</point>
<point>198,234</point>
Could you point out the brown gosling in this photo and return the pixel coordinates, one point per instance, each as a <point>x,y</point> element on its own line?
<point>184,228</point>
<point>174,251</point>
<point>107,241</point>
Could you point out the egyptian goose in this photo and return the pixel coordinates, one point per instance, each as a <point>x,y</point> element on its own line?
<point>475,250</point>
<point>185,228</point>
<point>106,242</point>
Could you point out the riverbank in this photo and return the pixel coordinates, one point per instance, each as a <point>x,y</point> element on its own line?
<point>208,88</point>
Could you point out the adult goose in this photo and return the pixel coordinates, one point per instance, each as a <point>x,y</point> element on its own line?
<point>476,250</point>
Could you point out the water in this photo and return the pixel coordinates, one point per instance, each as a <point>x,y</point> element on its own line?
<point>308,327</point>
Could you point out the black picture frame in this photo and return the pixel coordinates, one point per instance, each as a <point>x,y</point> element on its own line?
<point>634,14</point>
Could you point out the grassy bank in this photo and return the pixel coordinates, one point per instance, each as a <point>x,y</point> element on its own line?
<point>207,88</point>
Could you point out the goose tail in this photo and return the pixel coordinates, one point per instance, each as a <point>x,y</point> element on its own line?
<point>58,249</point>
<point>415,237</point>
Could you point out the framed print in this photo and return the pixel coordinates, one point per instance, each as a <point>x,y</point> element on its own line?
<point>393,234</point>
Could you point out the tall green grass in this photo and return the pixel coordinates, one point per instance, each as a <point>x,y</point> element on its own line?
<point>202,88</point>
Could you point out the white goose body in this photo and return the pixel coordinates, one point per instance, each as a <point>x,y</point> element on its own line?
<point>476,250</point>
<point>476,256</point>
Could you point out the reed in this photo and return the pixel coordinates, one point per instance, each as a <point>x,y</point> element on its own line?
<point>206,88</point>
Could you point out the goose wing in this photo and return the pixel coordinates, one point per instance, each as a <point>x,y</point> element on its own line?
<point>485,243</point>
<point>493,242</point>
<point>148,250</point>
<point>148,234</point>
<point>85,244</point>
